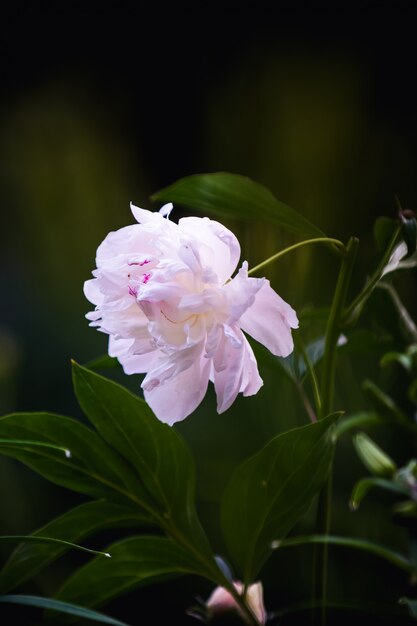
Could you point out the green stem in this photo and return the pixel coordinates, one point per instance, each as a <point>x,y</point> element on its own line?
<point>310,369</point>
<point>335,242</point>
<point>334,326</point>
<point>354,309</point>
<point>327,393</point>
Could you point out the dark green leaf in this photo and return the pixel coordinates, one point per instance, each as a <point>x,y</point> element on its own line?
<point>393,557</point>
<point>384,230</point>
<point>228,195</point>
<point>270,492</point>
<point>75,525</point>
<point>156,450</point>
<point>28,442</point>
<point>102,362</point>
<point>136,561</point>
<point>92,468</point>
<point>62,607</point>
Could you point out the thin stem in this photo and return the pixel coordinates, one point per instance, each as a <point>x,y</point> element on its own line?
<point>316,391</point>
<point>327,393</point>
<point>335,242</point>
<point>354,307</point>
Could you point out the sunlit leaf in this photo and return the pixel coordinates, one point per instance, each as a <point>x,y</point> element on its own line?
<point>271,491</point>
<point>82,521</point>
<point>226,195</point>
<point>61,607</point>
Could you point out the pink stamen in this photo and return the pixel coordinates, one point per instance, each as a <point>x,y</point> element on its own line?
<point>145,278</point>
<point>140,263</point>
<point>132,292</point>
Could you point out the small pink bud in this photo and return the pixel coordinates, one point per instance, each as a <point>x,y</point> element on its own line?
<point>221,601</point>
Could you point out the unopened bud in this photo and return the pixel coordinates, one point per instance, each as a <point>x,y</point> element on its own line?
<point>373,457</point>
<point>221,601</point>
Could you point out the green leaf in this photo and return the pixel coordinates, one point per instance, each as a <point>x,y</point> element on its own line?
<point>135,561</point>
<point>102,362</point>
<point>61,607</point>
<point>92,467</point>
<point>364,485</point>
<point>270,492</point>
<point>29,442</point>
<point>395,558</point>
<point>78,523</point>
<point>384,230</point>
<point>228,195</point>
<point>156,450</point>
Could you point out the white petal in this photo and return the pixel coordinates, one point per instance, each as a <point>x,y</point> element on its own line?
<point>119,347</point>
<point>218,249</point>
<point>129,239</point>
<point>166,209</point>
<point>170,366</point>
<point>142,215</point>
<point>228,380</point>
<point>269,320</point>
<point>92,291</point>
<point>181,395</point>
<point>251,381</point>
<point>241,293</point>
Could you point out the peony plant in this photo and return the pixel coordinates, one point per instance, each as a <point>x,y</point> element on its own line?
<point>179,314</point>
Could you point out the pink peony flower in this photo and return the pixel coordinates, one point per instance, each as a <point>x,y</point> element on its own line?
<point>164,294</point>
<point>221,601</point>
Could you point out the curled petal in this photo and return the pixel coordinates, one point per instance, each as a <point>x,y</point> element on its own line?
<point>269,320</point>
<point>92,292</point>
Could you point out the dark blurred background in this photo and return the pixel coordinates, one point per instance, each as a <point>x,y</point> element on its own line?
<point>105,103</point>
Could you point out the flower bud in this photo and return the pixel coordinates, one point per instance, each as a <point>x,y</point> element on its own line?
<point>373,457</point>
<point>221,602</point>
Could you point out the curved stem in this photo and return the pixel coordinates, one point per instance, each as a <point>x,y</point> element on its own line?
<point>354,308</point>
<point>328,240</point>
